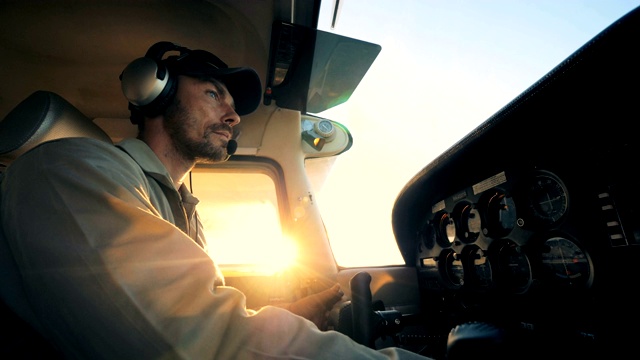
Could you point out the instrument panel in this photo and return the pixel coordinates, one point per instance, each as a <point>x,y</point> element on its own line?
<point>539,251</point>
<point>505,233</point>
<point>545,247</point>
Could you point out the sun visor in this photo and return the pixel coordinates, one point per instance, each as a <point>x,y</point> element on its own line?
<point>312,70</point>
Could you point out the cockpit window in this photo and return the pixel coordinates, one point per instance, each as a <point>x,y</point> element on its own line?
<point>344,209</point>
<point>240,215</point>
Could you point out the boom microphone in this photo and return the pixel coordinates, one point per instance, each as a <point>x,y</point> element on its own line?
<point>232,146</point>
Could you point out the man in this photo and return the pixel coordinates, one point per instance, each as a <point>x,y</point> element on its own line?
<point>112,254</point>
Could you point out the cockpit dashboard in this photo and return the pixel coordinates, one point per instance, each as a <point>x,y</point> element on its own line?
<point>530,222</point>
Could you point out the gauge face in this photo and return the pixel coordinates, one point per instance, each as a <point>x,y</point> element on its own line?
<point>453,269</point>
<point>566,262</point>
<point>482,273</point>
<point>447,230</point>
<point>470,224</point>
<point>324,128</point>
<point>548,198</point>
<point>501,215</point>
<point>515,268</point>
<point>429,235</point>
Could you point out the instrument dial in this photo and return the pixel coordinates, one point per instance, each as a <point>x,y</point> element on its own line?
<point>469,225</point>
<point>429,235</point>
<point>325,128</point>
<point>514,268</point>
<point>452,269</point>
<point>565,262</point>
<point>548,199</point>
<point>480,267</point>
<point>501,215</point>
<point>446,230</point>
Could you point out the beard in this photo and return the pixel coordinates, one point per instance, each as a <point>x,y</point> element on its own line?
<point>177,120</point>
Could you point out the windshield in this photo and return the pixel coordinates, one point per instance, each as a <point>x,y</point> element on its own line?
<point>445,67</point>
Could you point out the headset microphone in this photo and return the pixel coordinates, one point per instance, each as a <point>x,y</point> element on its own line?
<point>232,146</point>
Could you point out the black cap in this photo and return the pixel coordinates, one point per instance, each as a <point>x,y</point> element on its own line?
<point>243,83</point>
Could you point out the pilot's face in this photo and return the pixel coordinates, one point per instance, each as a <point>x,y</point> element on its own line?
<point>201,118</point>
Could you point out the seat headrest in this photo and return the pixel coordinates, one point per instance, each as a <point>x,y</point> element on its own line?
<point>43,116</point>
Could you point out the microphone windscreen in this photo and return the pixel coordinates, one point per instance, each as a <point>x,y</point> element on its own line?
<point>232,146</point>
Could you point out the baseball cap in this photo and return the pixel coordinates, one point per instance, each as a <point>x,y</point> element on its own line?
<point>243,83</point>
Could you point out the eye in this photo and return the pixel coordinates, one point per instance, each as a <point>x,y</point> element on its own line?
<point>213,94</point>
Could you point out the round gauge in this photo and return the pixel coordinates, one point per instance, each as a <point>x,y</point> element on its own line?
<point>453,271</point>
<point>469,224</point>
<point>548,199</point>
<point>501,215</point>
<point>429,235</point>
<point>446,230</point>
<point>514,268</point>
<point>566,262</point>
<point>480,267</point>
<point>325,128</point>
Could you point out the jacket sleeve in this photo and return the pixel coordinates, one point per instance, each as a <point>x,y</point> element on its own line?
<point>108,278</point>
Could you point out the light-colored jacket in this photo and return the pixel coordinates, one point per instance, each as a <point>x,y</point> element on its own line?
<point>99,234</point>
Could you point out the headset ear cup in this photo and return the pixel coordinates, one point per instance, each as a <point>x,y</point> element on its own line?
<point>142,81</point>
<point>162,101</point>
<point>147,83</point>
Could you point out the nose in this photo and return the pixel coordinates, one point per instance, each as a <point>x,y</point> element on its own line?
<point>231,118</point>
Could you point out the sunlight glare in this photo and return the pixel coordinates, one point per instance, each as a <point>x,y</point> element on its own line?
<point>280,257</point>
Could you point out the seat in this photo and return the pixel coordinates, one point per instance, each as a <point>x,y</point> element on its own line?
<point>43,116</point>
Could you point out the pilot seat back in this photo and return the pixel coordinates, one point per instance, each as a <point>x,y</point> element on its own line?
<point>43,116</point>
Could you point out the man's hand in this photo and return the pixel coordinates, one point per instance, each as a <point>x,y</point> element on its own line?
<point>316,307</point>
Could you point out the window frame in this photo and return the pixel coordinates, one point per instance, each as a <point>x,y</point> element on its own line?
<point>249,165</point>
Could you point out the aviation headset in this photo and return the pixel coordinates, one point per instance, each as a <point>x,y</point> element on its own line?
<point>149,83</point>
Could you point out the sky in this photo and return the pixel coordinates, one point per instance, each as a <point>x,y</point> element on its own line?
<point>445,67</point>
